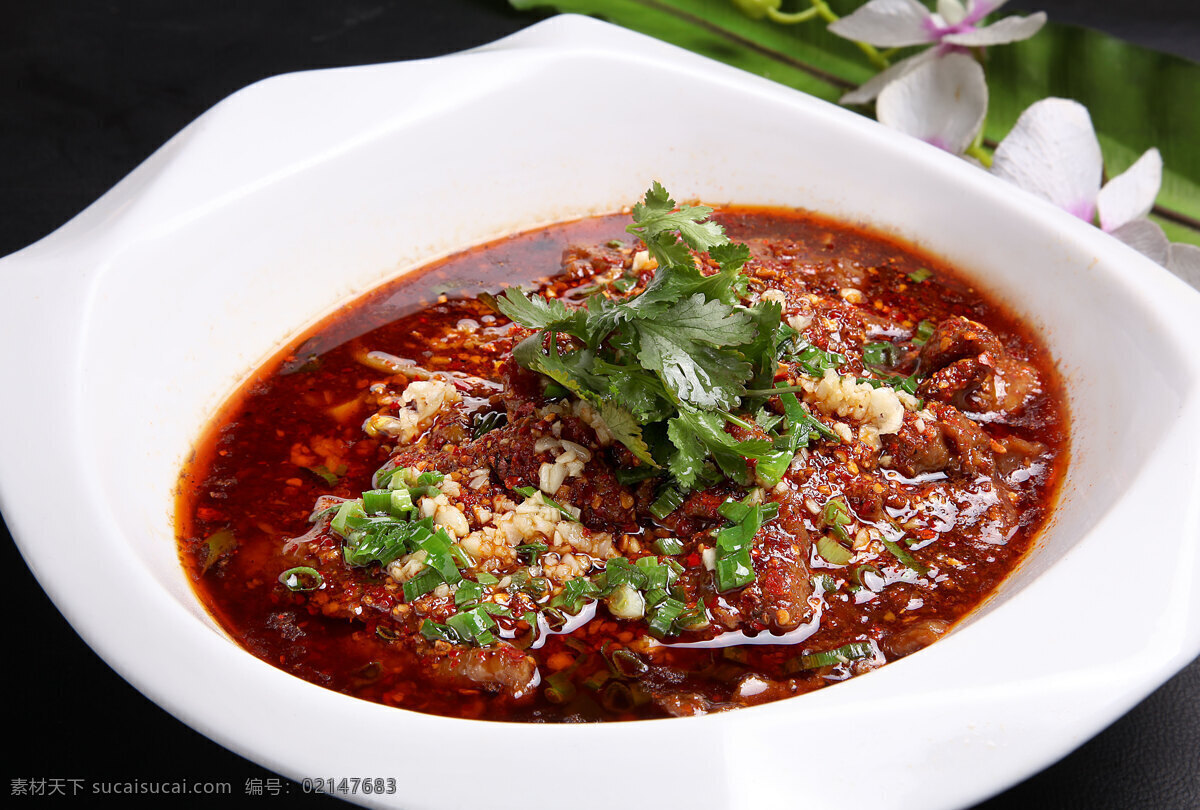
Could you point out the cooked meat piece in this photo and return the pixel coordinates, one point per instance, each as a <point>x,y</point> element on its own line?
<point>703,504</point>
<point>971,448</point>
<point>957,338</point>
<point>963,384</point>
<point>502,669</point>
<point>512,453</point>
<point>969,367</point>
<point>916,636</point>
<point>865,496</point>
<point>915,451</point>
<point>952,443</point>
<point>683,704</point>
<point>778,597</point>
<point>522,387</point>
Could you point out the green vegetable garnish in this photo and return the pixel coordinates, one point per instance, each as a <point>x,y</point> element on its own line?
<point>923,332</point>
<point>529,492</point>
<point>881,354</point>
<point>842,655</point>
<point>301,578</point>
<point>734,566</point>
<point>673,362</point>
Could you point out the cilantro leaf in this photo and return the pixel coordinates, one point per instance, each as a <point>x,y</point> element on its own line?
<point>640,391</point>
<point>626,430</point>
<point>538,312</point>
<point>571,370</point>
<point>657,222</point>
<point>694,427</point>
<point>687,347</point>
<point>666,367</point>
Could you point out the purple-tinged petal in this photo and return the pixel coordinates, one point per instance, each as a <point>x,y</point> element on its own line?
<point>942,102</point>
<point>1052,152</point>
<point>1146,237</point>
<point>1131,194</point>
<point>1184,261</point>
<point>887,23</point>
<point>1010,29</point>
<point>867,92</point>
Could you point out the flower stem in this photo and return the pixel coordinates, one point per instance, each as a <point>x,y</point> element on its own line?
<point>785,18</point>
<point>977,150</point>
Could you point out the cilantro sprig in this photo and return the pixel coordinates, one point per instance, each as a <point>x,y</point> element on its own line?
<point>669,366</point>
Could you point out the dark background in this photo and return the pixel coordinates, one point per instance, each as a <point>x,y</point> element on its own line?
<point>89,89</point>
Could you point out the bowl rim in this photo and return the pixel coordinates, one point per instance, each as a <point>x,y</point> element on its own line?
<point>79,248</point>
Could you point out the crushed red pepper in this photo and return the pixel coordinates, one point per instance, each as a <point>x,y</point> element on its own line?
<point>968,479</point>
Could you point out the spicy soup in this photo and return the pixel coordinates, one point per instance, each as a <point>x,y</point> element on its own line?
<point>683,476</point>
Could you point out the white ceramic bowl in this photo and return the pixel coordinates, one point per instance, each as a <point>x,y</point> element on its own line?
<point>302,190</point>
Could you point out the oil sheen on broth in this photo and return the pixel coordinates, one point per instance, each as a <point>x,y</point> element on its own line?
<point>397,509</point>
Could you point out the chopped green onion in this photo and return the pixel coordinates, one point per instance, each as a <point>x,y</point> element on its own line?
<point>574,593</point>
<point>881,354</point>
<point>617,697</point>
<point>349,510</point>
<point>923,333</point>
<point>836,515</point>
<point>597,679</point>
<point>625,283</point>
<point>693,618</point>
<point>529,492</point>
<point>433,631</point>
<point>532,551</point>
<point>669,499</point>
<point>733,511</point>
<point>473,624</point>
<point>814,361</point>
<point>421,584</point>
<point>842,655</point>
<point>467,593</point>
<point>828,584</point>
<point>330,477</point>
<point>378,501</point>
<point>668,545</point>
<point>494,609</point>
<point>217,545</point>
<point>554,391</point>
<point>626,603</point>
<point>906,384</point>
<point>860,572</point>
<point>626,663</point>
<point>559,687</point>
<point>663,615</point>
<point>301,578</point>
<point>619,571</point>
<point>904,557</point>
<point>530,618</point>
<point>657,575</point>
<point>484,578</point>
<point>655,596</point>
<point>833,551</point>
<point>734,571</point>
<point>920,274</point>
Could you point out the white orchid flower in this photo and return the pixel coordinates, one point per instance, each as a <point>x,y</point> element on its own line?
<point>1052,151</point>
<point>952,29</point>
<point>943,102</point>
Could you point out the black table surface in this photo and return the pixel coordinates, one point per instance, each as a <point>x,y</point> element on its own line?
<point>87,91</point>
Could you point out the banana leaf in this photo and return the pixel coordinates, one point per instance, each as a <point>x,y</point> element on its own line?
<point>1138,98</point>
